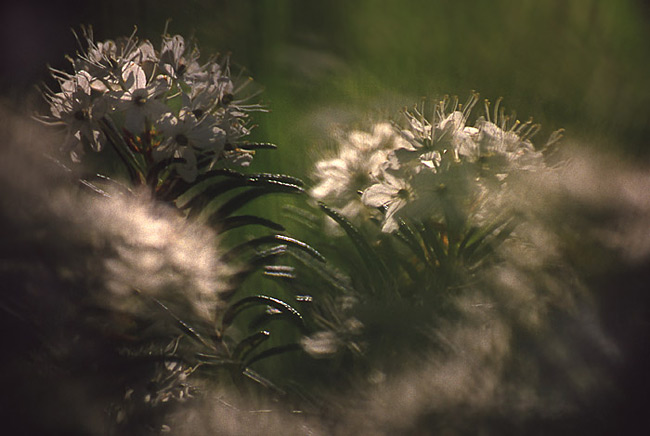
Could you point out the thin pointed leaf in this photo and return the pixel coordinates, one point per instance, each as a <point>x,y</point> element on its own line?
<point>258,378</point>
<point>235,252</point>
<point>492,243</point>
<point>409,237</point>
<point>258,300</point>
<point>102,178</point>
<point>257,146</point>
<point>300,216</point>
<point>247,345</point>
<point>244,198</point>
<point>86,184</point>
<point>182,324</point>
<point>154,171</point>
<point>478,238</point>
<point>233,222</point>
<point>325,273</point>
<point>265,318</point>
<point>432,238</point>
<point>200,194</point>
<point>283,178</point>
<point>468,237</point>
<point>282,349</point>
<point>259,260</point>
<point>368,254</point>
<point>301,246</point>
<point>215,360</point>
<point>202,182</point>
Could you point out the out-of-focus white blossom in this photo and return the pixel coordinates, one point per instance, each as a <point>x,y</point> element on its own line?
<point>343,178</point>
<point>321,344</point>
<point>158,255</point>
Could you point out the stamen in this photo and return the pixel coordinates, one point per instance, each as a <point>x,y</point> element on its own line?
<point>496,110</point>
<point>469,105</point>
<point>486,104</point>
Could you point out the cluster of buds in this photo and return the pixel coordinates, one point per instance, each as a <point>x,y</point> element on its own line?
<point>435,163</point>
<point>156,108</point>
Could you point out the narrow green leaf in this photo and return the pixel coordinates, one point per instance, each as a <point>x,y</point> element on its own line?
<point>282,178</point>
<point>91,187</point>
<point>282,349</point>
<point>201,194</point>
<point>480,236</point>
<point>368,254</point>
<point>233,222</point>
<point>154,171</point>
<point>237,251</point>
<point>433,240</point>
<point>258,300</point>
<point>258,378</point>
<point>248,344</point>
<point>182,324</point>
<point>244,198</point>
<point>325,272</point>
<point>492,243</point>
<point>202,182</point>
<point>257,146</point>
<point>119,185</point>
<point>409,237</point>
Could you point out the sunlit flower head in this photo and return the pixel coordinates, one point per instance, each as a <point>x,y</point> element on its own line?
<point>185,138</point>
<point>74,108</point>
<point>436,165</point>
<point>126,94</point>
<point>342,179</point>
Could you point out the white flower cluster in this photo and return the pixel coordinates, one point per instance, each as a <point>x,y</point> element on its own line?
<point>156,105</point>
<point>433,166</point>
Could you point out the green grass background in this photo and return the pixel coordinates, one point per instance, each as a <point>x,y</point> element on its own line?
<point>583,65</point>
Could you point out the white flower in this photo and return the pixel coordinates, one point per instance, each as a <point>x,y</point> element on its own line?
<point>202,99</point>
<point>185,136</point>
<point>127,92</point>
<point>500,151</point>
<point>106,60</point>
<point>450,187</point>
<point>139,101</point>
<point>383,137</point>
<point>393,193</point>
<point>445,130</point>
<point>221,82</point>
<point>75,108</point>
<point>176,61</point>
<point>342,178</point>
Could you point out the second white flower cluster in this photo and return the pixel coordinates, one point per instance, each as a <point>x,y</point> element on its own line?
<point>436,166</point>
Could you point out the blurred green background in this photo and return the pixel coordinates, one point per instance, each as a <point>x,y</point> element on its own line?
<point>583,65</point>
